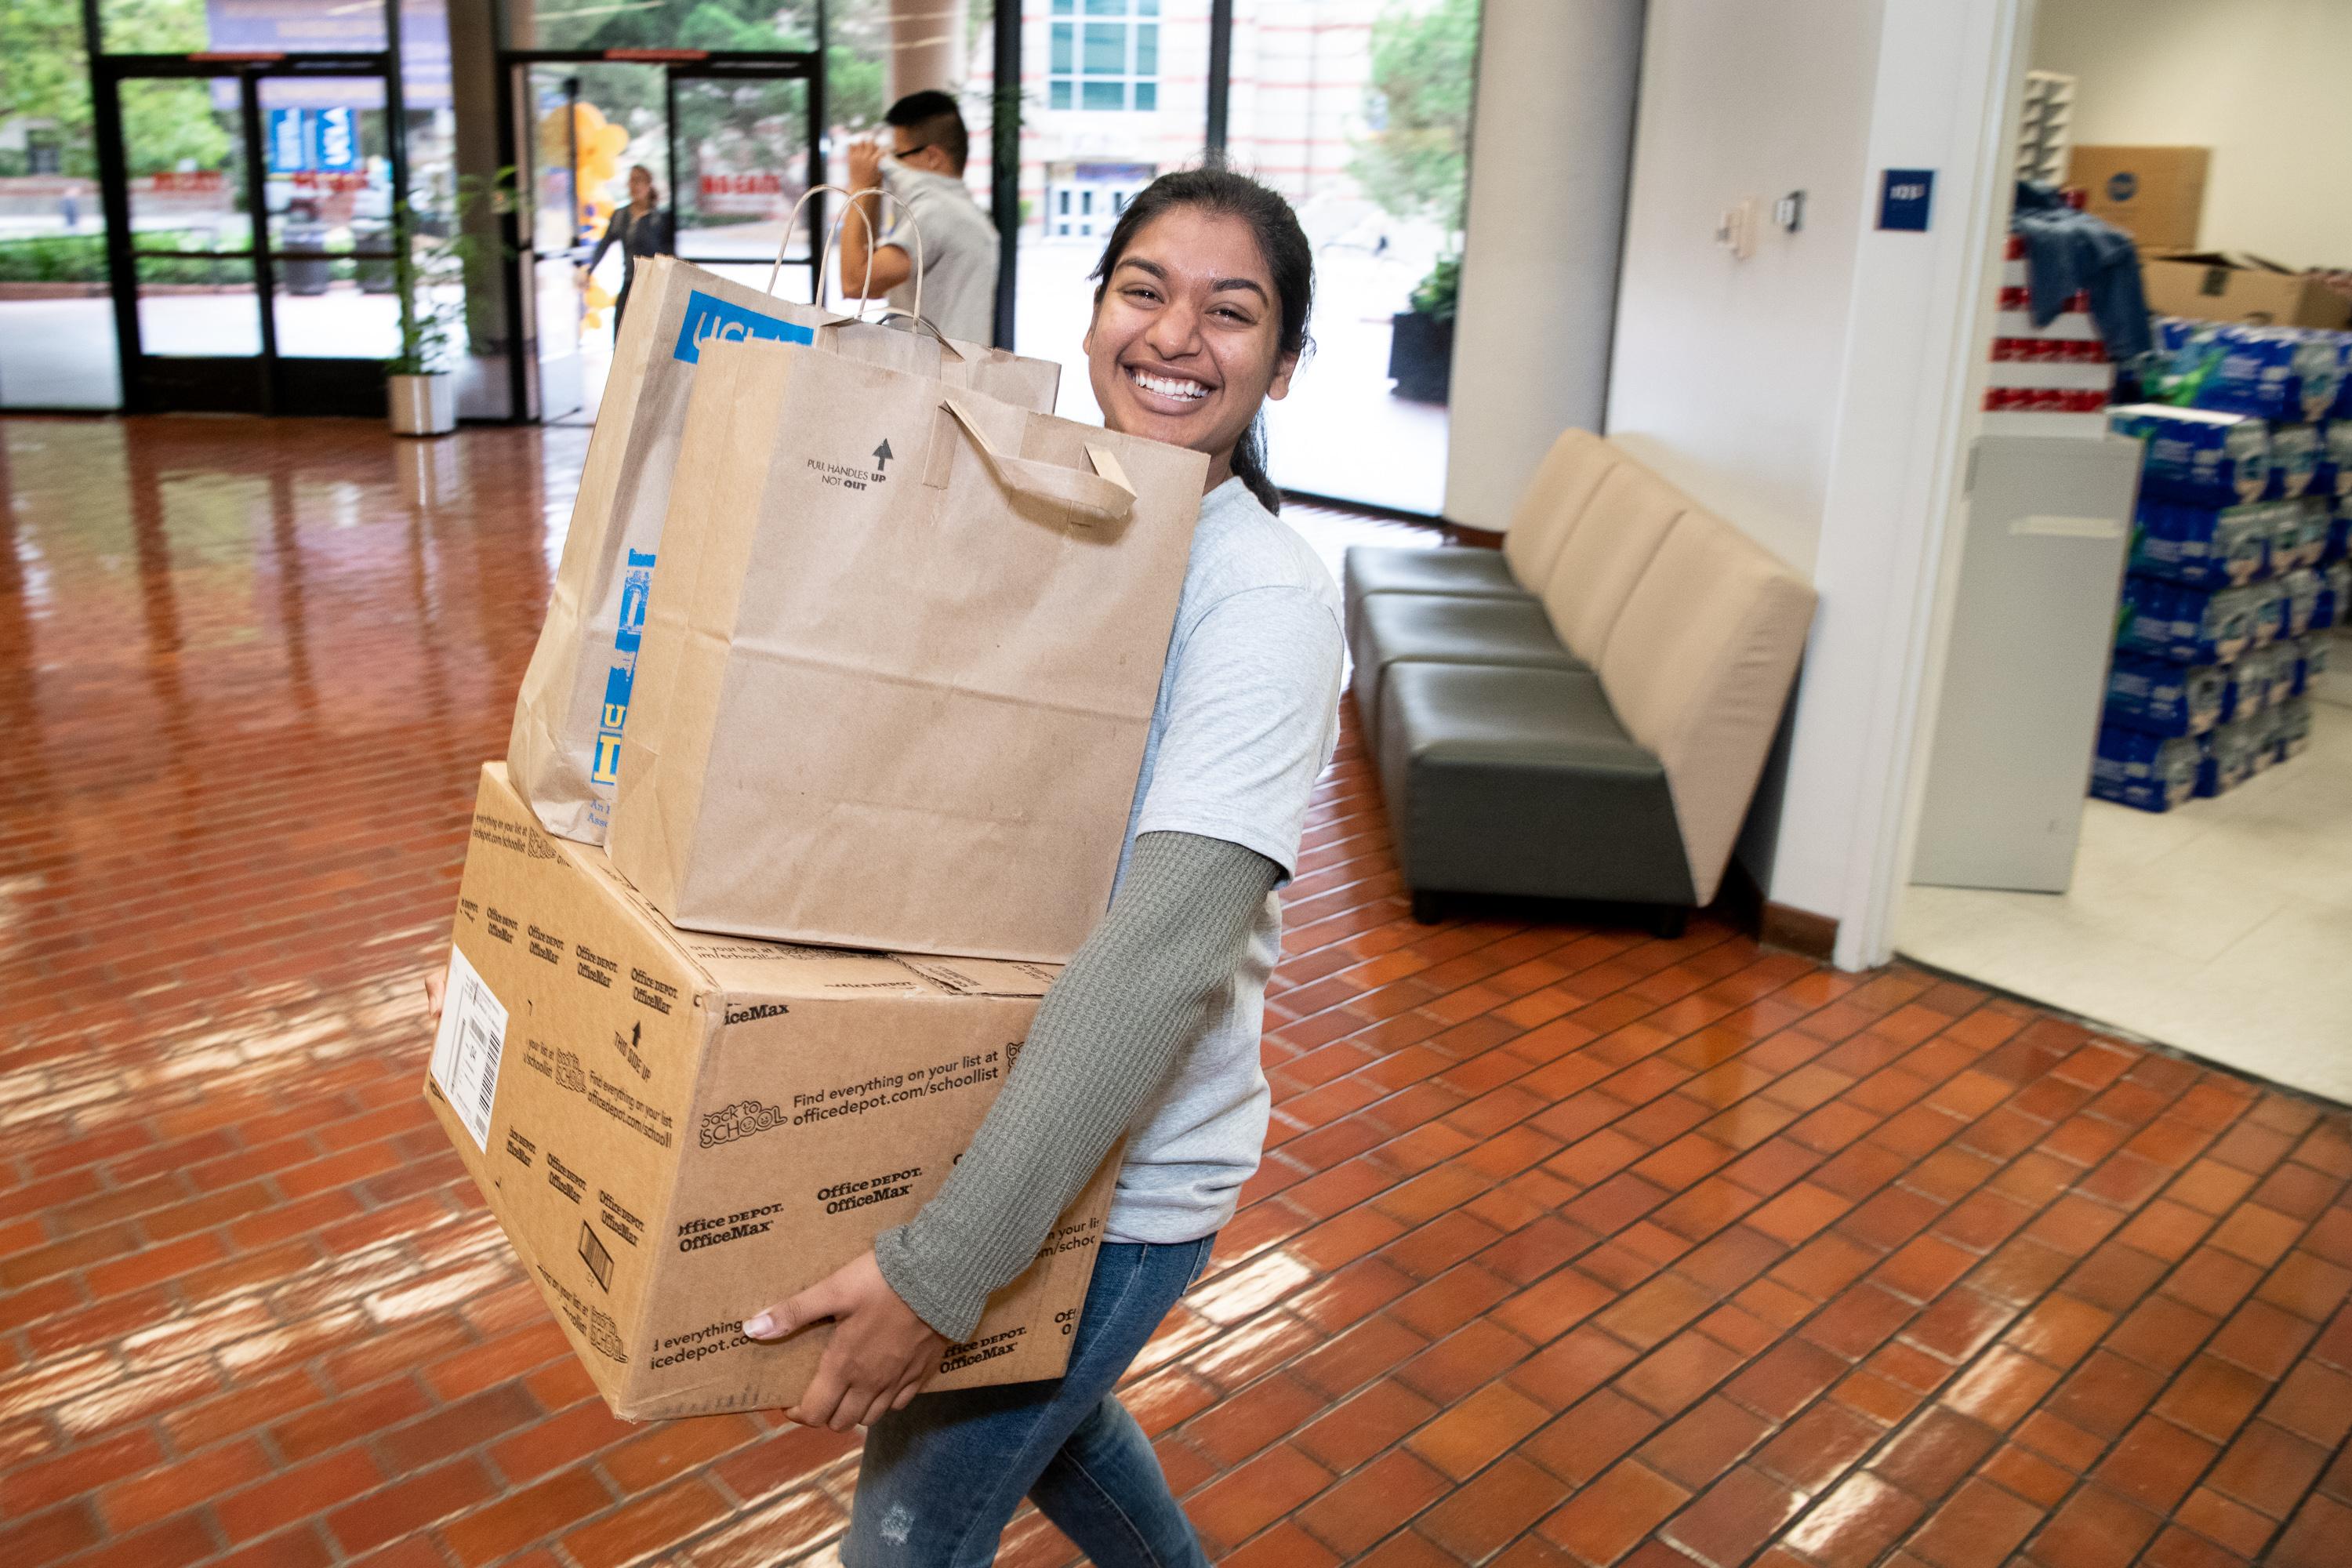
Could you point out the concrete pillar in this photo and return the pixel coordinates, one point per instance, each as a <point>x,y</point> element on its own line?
<point>484,389</point>
<point>927,46</point>
<point>1550,149</point>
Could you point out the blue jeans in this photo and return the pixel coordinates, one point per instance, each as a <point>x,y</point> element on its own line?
<point>942,1477</point>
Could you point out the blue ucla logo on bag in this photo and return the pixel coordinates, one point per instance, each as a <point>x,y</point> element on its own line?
<point>711,320</point>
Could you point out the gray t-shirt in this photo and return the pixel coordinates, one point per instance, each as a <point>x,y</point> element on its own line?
<point>1248,716</point>
<point>958,251</point>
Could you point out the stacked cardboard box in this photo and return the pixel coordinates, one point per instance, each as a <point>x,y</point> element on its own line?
<point>2231,286</point>
<point>2155,194</point>
<point>677,1131</point>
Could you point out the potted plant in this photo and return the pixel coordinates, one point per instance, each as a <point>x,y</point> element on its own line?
<point>1421,343</point>
<point>429,265</point>
<point>421,382</point>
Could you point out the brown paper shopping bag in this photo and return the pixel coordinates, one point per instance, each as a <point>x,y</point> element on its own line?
<point>897,704</point>
<point>578,690</point>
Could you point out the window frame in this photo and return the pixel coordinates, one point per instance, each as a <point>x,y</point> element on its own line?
<point>1073,30</point>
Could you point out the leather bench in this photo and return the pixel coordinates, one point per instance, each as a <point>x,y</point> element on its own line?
<point>1583,714</point>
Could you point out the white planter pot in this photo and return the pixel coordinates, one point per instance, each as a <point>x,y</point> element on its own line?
<point>423,405</point>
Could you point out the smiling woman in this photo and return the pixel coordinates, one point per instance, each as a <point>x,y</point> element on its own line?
<point>1150,1034</point>
<point>1200,305</point>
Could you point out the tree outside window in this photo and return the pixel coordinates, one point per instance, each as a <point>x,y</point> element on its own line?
<point>1415,165</point>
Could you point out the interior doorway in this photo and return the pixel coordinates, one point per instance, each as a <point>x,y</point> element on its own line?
<point>2137,804</point>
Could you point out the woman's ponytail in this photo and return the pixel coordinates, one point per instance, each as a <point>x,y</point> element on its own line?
<point>1289,261</point>
<point>1249,465</point>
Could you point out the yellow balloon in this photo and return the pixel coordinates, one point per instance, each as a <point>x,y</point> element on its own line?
<point>598,144</point>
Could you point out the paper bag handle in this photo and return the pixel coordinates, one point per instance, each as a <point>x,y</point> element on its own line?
<point>1104,495</point>
<point>849,201</point>
<point>776,268</point>
<point>866,285</point>
<point>925,324</point>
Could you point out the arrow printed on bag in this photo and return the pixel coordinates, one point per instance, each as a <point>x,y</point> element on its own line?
<point>882,455</point>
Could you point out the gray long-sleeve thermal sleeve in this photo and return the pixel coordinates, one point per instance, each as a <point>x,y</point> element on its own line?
<point>1102,1045</point>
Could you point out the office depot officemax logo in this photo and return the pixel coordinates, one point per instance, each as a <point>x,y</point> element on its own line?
<point>710,320</point>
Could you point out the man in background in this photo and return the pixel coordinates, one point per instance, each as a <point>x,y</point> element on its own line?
<point>958,248</point>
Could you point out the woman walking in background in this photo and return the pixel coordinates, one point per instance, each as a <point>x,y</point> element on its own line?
<point>643,227</point>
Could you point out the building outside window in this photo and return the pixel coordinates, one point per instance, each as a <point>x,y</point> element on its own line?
<point>1105,56</point>
<point>1357,111</point>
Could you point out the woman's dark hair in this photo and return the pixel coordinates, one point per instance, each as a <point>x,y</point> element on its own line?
<point>1289,261</point>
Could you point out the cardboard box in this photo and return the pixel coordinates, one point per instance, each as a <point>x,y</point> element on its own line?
<point>2155,194</point>
<point>2230,285</point>
<point>677,1131</point>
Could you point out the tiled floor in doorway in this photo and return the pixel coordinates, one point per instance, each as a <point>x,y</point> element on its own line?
<point>1573,1246</point>
<point>2221,928</point>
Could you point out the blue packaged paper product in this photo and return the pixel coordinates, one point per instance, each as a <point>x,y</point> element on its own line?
<point>2137,768</point>
<point>2294,727</point>
<point>2246,690</point>
<point>2210,546</point>
<point>2273,372</point>
<point>2189,355</point>
<point>2275,668</point>
<point>2266,612</point>
<point>2264,728</point>
<point>2226,757</point>
<point>2339,533</point>
<point>2285,660</point>
<point>2186,624</point>
<point>2335,595</point>
<point>2295,459</point>
<point>2321,362</point>
<point>2197,457</point>
<point>2302,588</point>
<point>2318,522</point>
<point>2161,698</point>
<point>2334,474</point>
<point>2310,661</point>
<point>2286,534</point>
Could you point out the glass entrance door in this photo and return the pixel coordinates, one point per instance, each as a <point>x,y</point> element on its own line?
<point>730,142</point>
<point>194,337</point>
<point>219,312</point>
<point>745,156</point>
<point>327,194</point>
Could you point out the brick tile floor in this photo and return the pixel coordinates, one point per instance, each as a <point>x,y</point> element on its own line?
<point>1570,1245</point>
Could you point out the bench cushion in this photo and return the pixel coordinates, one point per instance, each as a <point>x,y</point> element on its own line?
<point>1370,570</point>
<point>1602,558</point>
<point>1389,569</point>
<point>1435,627</point>
<point>1698,665</point>
<point>1554,502</point>
<point>1515,780</point>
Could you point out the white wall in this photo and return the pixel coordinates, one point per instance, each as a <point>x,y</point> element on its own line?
<point>1549,145</point>
<point>1817,394</point>
<point>1912,381</point>
<point>1726,371</point>
<point>2262,82</point>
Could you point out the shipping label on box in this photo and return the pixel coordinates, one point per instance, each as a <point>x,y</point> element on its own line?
<point>677,1131</point>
